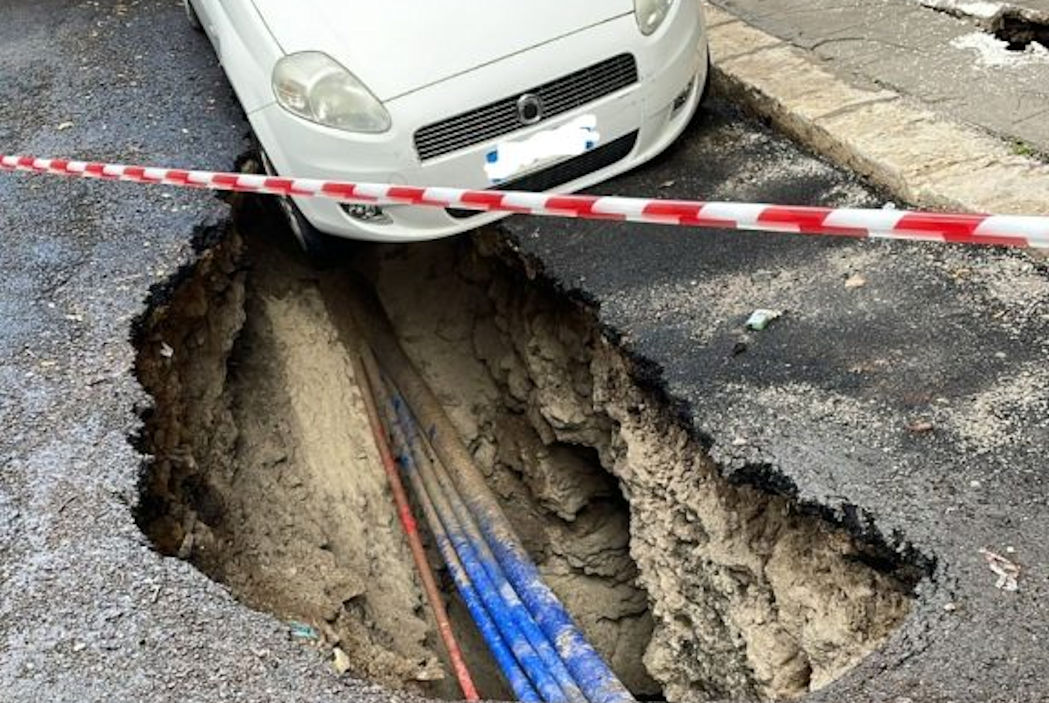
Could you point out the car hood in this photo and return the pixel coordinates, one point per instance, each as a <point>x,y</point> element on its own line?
<point>395,48</point>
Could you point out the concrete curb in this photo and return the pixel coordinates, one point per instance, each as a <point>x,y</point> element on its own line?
<point>923,158</point>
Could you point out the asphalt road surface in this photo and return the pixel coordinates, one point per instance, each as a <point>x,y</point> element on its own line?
<point>910,403</point>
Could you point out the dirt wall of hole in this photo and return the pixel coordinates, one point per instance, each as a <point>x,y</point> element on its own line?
<point>265,473</point>
<point>749,597</point>
<point>265,477</point>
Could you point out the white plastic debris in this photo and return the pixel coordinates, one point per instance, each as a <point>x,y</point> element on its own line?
<point>760,318</point>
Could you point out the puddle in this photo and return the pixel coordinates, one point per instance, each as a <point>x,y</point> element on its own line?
<point>265,477</point>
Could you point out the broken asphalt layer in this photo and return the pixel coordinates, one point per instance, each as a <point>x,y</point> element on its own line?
<point>911,407</point>
<point>903,391</point>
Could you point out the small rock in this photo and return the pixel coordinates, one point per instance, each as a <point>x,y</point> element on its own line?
<point>430,671</point>
<point>340,661</point>
<point>64,126</point>
<point>920,426</point>
<point>855,281</point>
<point>166,351</point>
<point>1007,571</point>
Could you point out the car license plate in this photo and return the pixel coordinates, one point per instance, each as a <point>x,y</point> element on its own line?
<point>513,158</point>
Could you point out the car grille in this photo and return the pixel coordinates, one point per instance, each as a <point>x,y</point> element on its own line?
<point>501,117</point>
<point>564,172</point>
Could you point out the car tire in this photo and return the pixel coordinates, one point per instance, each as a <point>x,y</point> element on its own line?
<point>191,14</point>
<point>704,97</point>
<point>318,247</point>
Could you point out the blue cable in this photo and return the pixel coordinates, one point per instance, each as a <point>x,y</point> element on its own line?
<point>504,658</point>
<point>588,668</point>
<point>518,611</point>
<point>529,660</point>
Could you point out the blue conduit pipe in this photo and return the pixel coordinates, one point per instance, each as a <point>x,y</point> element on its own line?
<point>599,683</point>
<point>505,659</point>
<point>594,676</point>
<point>435,472</point>
<point>429,492</point>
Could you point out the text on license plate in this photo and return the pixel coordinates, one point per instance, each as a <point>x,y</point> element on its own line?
<point>513,157</point>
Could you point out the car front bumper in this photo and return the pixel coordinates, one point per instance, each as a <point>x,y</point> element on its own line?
<point>669,61</point>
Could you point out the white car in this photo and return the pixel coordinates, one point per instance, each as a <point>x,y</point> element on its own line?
<point>512,94</point>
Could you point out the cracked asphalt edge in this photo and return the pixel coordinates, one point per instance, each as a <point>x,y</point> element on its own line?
<point>924,159</point>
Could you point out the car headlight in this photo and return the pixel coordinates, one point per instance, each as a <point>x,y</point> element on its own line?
<point>651,13</point>
<point>315,87</point>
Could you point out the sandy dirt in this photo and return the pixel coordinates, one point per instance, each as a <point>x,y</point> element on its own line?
<point>297,518</point>
<point>267,479</point>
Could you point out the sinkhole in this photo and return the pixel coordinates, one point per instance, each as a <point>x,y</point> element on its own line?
<point>264,475</point>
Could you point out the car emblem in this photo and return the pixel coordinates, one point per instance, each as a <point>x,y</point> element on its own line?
<point>529,108</point>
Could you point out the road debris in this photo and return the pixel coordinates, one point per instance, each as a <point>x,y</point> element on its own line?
<point>302,631</point>
<point>340,661</point>
<point>760,318</point>
<point>855,281</point>
<point>920,426</point>
<point>1008,572</point>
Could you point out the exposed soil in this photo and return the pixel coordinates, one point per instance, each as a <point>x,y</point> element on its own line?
<point>265,476</point>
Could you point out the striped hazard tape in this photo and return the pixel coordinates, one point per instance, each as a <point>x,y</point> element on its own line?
<point>1002,230</point>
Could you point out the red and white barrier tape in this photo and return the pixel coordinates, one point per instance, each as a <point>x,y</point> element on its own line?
<point>1002,230</point>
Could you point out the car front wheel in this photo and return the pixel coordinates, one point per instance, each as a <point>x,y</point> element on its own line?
<point>318,246</point>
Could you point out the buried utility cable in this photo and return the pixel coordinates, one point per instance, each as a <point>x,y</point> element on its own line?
<point>505,653</point>
<point>404,511</point>
<point>437,481</point>
<point>595,677</point>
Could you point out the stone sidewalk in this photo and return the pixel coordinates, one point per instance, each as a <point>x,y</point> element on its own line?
<point>926,102</point>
